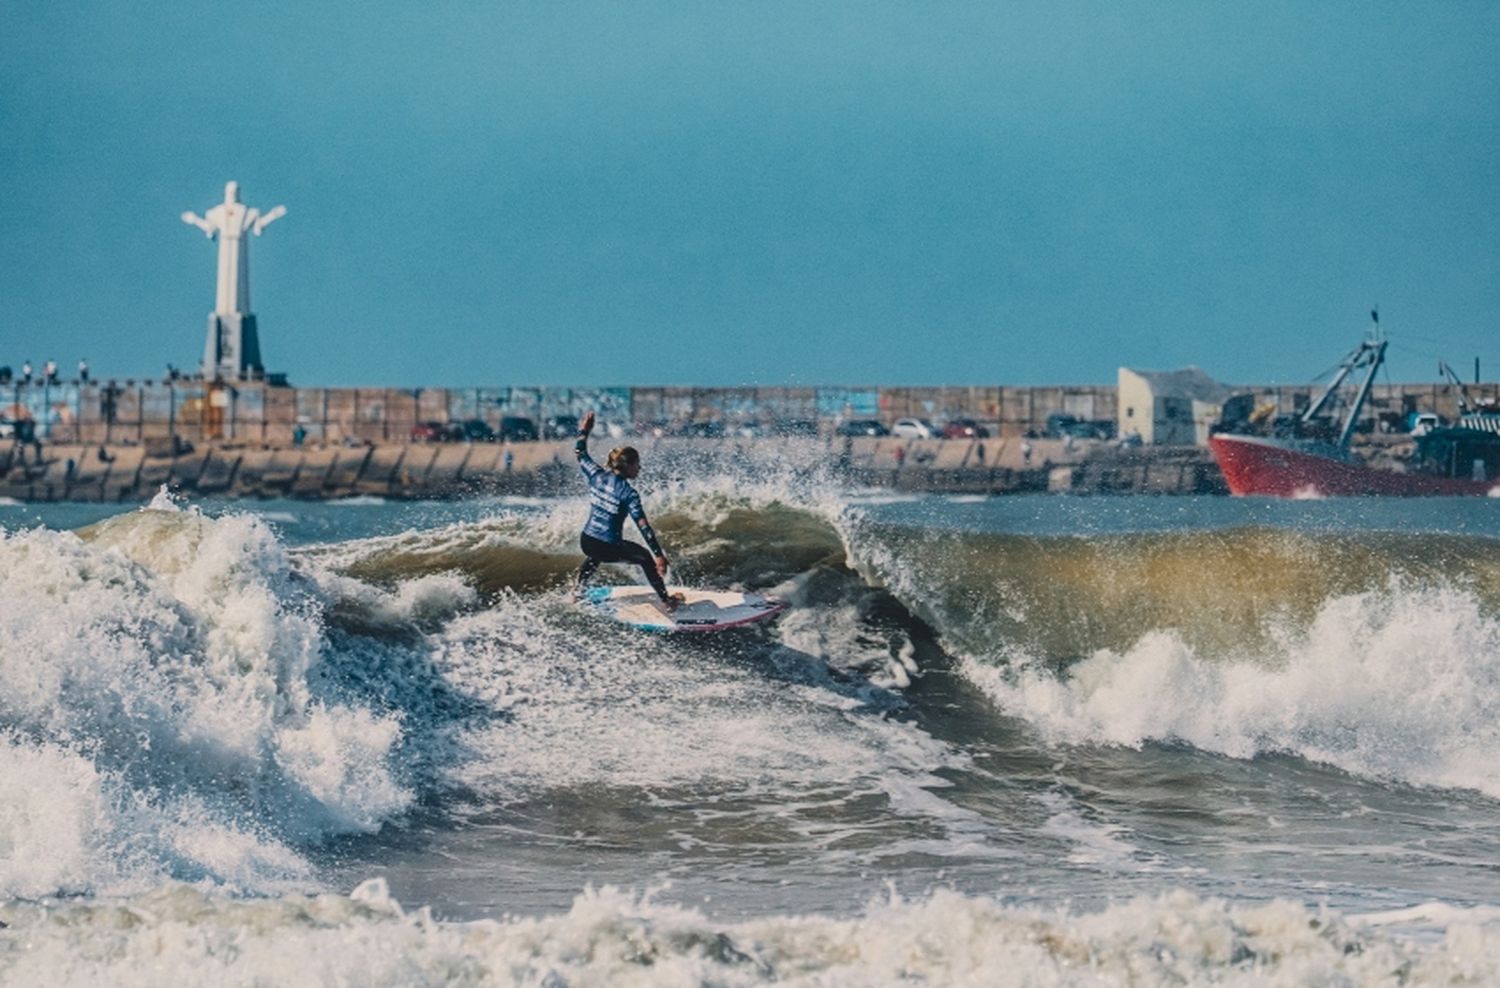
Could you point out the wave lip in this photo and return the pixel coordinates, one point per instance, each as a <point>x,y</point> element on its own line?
<point>755,537</point>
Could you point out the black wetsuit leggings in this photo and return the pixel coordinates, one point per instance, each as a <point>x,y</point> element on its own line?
<point>597,551</point>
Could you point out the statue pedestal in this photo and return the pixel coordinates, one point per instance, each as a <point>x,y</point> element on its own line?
<point>233,348</point>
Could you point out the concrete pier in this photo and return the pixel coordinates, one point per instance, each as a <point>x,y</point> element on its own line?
<point>122,473</point>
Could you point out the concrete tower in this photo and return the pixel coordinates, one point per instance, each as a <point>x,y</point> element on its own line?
<point>232,351</point>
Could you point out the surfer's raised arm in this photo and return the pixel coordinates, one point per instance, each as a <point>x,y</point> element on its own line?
<point>581,447</point>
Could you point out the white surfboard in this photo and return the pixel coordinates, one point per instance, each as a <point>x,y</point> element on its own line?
<point>703,610</point>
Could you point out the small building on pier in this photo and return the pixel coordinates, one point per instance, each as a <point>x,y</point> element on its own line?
<point>1169,408</point>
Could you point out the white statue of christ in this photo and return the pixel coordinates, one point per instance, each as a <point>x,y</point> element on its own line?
<point>233,348</point>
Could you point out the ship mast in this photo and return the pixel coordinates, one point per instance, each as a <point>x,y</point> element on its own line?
<point>1464,404</point>
<point>1370,353</point>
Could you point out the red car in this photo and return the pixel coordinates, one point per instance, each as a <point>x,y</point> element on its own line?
<point>965,429</point>
<point>435,432</point>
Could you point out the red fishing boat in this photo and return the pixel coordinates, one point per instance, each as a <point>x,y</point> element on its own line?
<point>1303,459</point>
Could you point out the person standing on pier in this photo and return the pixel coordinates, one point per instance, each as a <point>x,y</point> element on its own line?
<point>611,498</point>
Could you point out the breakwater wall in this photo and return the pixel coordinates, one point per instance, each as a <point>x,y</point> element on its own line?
<point>255,413</point>
<point>125,473</point>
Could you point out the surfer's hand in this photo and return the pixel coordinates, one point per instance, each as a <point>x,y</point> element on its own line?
<point>661,567</point>
<point>587,425</point>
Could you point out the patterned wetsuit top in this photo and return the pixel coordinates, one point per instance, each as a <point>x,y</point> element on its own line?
<point>611,498</point>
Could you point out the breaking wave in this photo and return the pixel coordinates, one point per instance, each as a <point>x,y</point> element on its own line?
<point>163,665</point>
<point>1377,653</point>
<point>1392,684</point>
<point>214,705</point>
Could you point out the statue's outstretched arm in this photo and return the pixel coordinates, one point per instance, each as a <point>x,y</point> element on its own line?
<point>193,219</point>
<point>271,216</point>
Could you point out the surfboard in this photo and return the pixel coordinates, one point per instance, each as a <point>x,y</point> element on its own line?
<point>703,610</point>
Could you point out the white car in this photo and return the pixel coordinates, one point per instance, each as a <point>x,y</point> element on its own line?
<point>914,429</point>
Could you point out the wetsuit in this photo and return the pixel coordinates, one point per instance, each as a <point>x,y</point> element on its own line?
<point>611,498</point>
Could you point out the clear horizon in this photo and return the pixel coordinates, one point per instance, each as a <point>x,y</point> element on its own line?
<point>776,195</point>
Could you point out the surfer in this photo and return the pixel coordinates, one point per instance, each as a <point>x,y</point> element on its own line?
<point>611,498</point>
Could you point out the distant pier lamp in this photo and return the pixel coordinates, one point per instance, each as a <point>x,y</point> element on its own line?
<point>232,351</point>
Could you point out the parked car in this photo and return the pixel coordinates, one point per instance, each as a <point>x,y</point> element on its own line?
<point>862,427</point>
<point>560,427</point>
<point>478,431</point>
<point>1418,423</point>
<point>964,429</point>
<point>914,429</point>
<point>517,429</point>
<point>1061,425</point>
<point>436,432</point>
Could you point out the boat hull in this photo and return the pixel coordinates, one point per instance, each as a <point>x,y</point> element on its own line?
<point>1254,465</point>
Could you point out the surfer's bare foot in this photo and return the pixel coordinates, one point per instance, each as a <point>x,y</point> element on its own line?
<point>673,602</point>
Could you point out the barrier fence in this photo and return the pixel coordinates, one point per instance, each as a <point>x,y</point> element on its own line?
<point>194,411</point>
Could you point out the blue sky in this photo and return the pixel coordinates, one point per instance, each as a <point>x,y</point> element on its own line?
<point>757,193</point>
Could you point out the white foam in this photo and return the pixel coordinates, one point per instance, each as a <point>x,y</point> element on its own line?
<point>157,667</point>
<point>1396,684</point>
<point>610,710</point>
<point>50,843</point>
<point>179,935</point>
<point>836,636</point>
<point>1099,845</point>
<point>164,500</point>
<point>422,599</point>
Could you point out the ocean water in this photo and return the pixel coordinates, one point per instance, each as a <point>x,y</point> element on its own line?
<point>1027,740</point>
